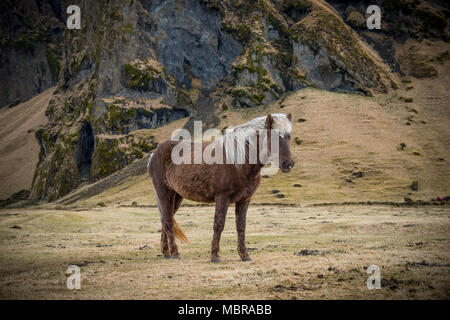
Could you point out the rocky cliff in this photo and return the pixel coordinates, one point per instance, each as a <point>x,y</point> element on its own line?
<point>30,47</point>
<point>137,65</point>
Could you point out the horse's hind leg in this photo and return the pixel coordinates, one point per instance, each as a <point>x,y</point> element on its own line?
<point>164,244</point>
<point>164,239</point>
<point>167,201</point>
<point>178,200</point>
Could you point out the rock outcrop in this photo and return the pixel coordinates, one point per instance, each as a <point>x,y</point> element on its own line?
<point>400,20</point>
<point>138,65</point>
<point>30,48</point>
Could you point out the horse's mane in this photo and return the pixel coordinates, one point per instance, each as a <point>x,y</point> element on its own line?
<point>235,152</point>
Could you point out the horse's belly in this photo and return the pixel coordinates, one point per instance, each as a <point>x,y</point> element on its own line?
<point>192,184</point>
<point>195,196</point>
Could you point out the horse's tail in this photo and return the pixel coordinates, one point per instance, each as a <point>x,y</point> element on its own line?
<point>176,228</point>
<point>178,232</point>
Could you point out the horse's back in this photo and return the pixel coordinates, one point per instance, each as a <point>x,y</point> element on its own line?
<point>200,182</point>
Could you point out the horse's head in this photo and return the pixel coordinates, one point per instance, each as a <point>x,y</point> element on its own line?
<point>282,124</point>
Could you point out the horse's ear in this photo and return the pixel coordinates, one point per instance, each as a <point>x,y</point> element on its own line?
<point>269,121</point>
<point>289,116</point>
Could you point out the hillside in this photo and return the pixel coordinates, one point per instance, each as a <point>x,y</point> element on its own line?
<point>347,148</point>
<point>19,149</point>
<point>375,102</point>
<point>82,110</point>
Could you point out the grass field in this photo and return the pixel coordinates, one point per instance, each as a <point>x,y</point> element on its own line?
<point>347,148</point>
<point>118,251</point>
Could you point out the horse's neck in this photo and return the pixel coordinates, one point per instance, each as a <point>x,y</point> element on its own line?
<point>252,169</point>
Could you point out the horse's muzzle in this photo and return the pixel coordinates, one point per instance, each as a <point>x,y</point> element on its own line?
<point>286,166</point>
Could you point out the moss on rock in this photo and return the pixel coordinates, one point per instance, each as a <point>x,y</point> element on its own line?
<point>323,33</point>
<point>107,158</point>
<point>112,154</point>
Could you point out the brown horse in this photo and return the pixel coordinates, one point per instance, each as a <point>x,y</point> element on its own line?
<point>222,184</point>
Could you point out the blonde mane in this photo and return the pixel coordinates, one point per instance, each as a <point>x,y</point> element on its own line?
<point>235,152</point>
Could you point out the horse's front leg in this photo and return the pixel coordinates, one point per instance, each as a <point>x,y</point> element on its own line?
<point>241,215</point>
<point>219,223</point>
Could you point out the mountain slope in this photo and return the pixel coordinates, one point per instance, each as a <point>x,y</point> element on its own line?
<point>19,149</point>
<point>135,67</point>
<point>140,66</point>
<point>346,147</point>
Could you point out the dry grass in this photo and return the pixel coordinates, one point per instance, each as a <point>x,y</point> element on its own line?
<point>19,148</point>
<point>410,245</point>
<point>345,134</point>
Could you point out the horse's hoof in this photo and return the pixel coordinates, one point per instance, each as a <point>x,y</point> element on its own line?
<point>247,259</point>
<point>216,260</point>
<point>167,256</point>
<point>177,257</point>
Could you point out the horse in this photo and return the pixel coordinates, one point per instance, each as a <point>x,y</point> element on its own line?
<point>227,183</point>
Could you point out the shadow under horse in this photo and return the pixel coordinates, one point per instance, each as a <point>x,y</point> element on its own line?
<point>234,181</point>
